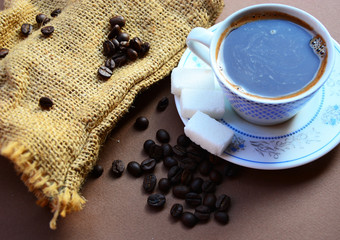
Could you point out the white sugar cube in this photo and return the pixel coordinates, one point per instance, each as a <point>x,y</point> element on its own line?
<point>208,133</point>
<point>210,102</point>
<point>191,78</point>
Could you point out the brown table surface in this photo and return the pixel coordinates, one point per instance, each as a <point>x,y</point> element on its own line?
<point>299,203</point>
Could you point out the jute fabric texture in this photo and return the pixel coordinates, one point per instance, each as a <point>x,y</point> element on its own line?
<point>54,150</point>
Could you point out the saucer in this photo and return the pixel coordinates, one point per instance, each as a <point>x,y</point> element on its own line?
<point>312,133</point>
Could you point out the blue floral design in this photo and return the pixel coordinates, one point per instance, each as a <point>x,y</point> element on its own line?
<point>331,115</point>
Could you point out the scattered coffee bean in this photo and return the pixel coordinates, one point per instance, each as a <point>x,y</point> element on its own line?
<point>183,140</point>
<point>123,46</point>
<point>196,185</point>
<point>26,29</point>
<point>108,48</point>
<point>167,149</point>
<point>40,18</point>
<point>163,136</point>
<point>215,176</point>
<point>169,162</point>
<point>109,63</point>
<point>136,44</point>
<point>114,32</point>
<point>134,169</point>
<point>156,152</point>
<point>149,182</point>
<point>208,186</point>
<point>186,177</point>
<point>202,213</point>
<point>55,12</point>
<point>179,151</point>
<point>105,72</point>
<point>223,203</point>
<point>156,200</point>
<point>117,20</point>
<point>205,168</point>
<point>188,219</point>
<point>147,145</point>
<point>97,171</point>
<point>222,217</point>
<point>116,43</point>
<point>141,123</point>
<point>144,49</point>
<point>209,200</point>
<point>47,31</point>
<point>176,210</point>
<point>148,165</point>
<point>162,104</point>
<point>47,20</point>
<point>120,60</point>
<point>180,191</point>
<point>45,103</point>
<point>3,52</point>
<point>132,54</point>
<point>123,36</point>
<point>118,168</point>
<point>174,175</point>
<point>193,199</point>
<point>164,185</point>
<point>188,163</point>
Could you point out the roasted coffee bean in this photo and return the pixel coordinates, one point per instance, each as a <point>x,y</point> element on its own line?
<point>26,29</point>
<point>47,31</point>
<point>147,145</point>
<point>223,202</point>
<point>123,46</point>
<point>109,63</point>
<point>179,151</point>
<point>202,213</point>
<point>232,170</point>
<point>148,165</point>
<point>164,185</point>
<point>208,186</point>
<point>162,104</point>
<point>215,176</point>
<point>186,177</point>
<point>47,20</point>
<point>120,60</point>
<point>149,182</point>
<point>215,160</point>
<point>45,103</point>
<point>167,149</point>
<point>141,123</point>
<point>209,200</point>
<point>180,191</point>
<point>134,169</point>
<point>114,32</point>
<point>176,210</point>
<point>195,155</point>
<point>97,171</point>
<point>174,175</point>
<point>196,185</point>
<point>104,72</point>
<point>55,12</point>
<point>205,168</point>
<point>222,217</point>
<point>116,43</point>
<point>163,136</point>
<point>3,52</point>
<point>123,36</point>
<point>169,162</point>
<point>132,54</point>
<point>108,48</point>
<point>193,199</point>
<point>156,200</point>
<point>188,163</point>
<point>117,20</point>
<point>118,168</point>
<point>156,152</point>
<point>136,44</point>
<point>144,49</point>
<point>40,18</point>
<point>183,140</point>
<point>188,219</point>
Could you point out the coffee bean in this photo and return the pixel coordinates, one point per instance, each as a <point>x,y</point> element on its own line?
<point>196,155</point>
<point>55,12</point>
<point>114,32</point>
<point>196,185</point>
<point>149,182</point>
<point>134,169</point>
<point>176,210</point>
<point>180,191</point>
<point>209,200</point>
<point>156,152</point>
<point>188,219</point>
<point>123,36</point>
<point>26,29</point>
<point>117,20</point>
<point>118,168</point>
<point>179,151</point>
<point>222,217</point>
<point>208,186</point>
<point>156,200</point>
<point>174,175</point>
<point>202,213</point>
<point>109,63</point>
<point>215,160</point>
<point>40,18</point>
<point>141,123</point>
<point>193,199</point>
<point>169,162</point>
<point>3,52</point>
<point>188,163</point>
<point>132,54</point>
<point>104,72</point>
<point>183,140</point>
<point>123,46</point>
<point>97,171</point>
<point>144,49</point>
<point>45,103</point>
<point>46,20</point>
<point>205,168</point>
<point>47,31</point>
<point>108,48</point>
<point>164,185</point>
<point>136,44</point>
<point>163,136</point>
<point>162,104</point>
<point>120,60</point>
<point>215,176</point>
<point>223,202</point>
<point>186,177</point>
<point>167,149</point>
<point>147,145</point>
<point>148,165</point>
<point>116,43</point>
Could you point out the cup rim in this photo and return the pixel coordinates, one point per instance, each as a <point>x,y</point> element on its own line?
<point>308,18</point>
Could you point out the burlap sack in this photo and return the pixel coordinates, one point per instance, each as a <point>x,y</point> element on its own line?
<point>55,149</point>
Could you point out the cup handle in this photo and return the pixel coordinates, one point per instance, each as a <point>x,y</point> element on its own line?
<point>198,41</point>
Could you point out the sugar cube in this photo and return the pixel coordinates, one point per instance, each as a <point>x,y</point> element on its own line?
<point>208,133</point>
<point>209,101</point>
<point>202,78</point>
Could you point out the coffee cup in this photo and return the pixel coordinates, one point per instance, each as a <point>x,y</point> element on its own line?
<point>269,59</point>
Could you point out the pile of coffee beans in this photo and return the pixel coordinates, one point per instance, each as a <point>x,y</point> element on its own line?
<point>119,48</point>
